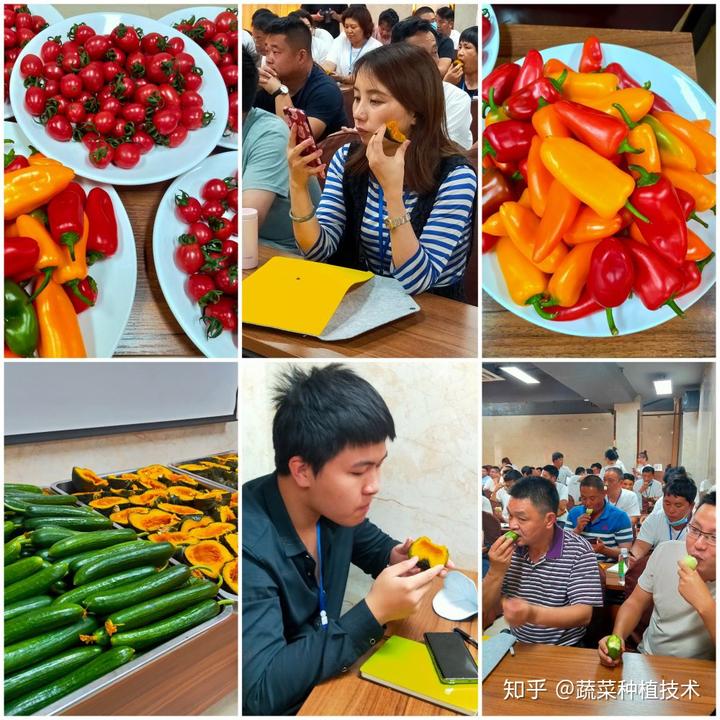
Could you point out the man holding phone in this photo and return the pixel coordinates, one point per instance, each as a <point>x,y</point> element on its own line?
<point>290,78</point>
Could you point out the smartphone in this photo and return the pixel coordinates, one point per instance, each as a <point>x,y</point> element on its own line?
<point>296,117</point>
<point>452,659</point>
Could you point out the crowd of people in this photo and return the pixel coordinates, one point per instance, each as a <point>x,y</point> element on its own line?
<point>550,537</point>
<point>389,187</point>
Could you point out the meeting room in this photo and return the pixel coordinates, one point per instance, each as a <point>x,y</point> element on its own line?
<point>598,538</point>
<point>359,179</point>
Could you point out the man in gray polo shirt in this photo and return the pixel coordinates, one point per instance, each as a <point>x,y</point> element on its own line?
<point>547,582</point>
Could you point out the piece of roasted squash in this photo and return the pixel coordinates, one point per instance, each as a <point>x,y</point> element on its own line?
<point>224,514</point>
<point>121,517</point>
<point>149,498</point>
<point>109,504</point>
<point>230,575</point>
<point>182,510</point>
<point>85,480</point>
<point>153,521</point>
<point>190,524</point>
<point>231,540</point>
<point>428,553</point>
<point>178,539</point>
<point>181,494</point>
<point>208,556</point>
<point>392,132</point>
<point>213,531</point>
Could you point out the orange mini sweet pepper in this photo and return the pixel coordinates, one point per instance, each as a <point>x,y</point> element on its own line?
<point>562,207</point>
<point>702,189</point>
<point>589,226</point>
<point>642,136</point>
<point>539,179</point>
<point>494,225</point>
<point>60,335</point>
<point>566,284</point>
<point>525,282</point>
<point>50,254</point>
<point>581,85</point>
<point>697,249</point>
<point>547,123</point>
<point>636,102</point>
<point>700,142</point>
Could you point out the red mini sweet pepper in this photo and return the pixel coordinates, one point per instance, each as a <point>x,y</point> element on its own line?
<point>666,229</point>
<point>531,70</point>
<point>523,104</point>
<point>21,254</point>
<point>627,81</point>
<point>508,140</point>
<point>501,80</point>
<point>586,305</point>
<point>692,274</point>
<point>103,233</point>
<point>591,58</point>
<point>488,242</point>
<point>82,293</point>
<point>687,202</point>
<point>657,282</point>
<point>65,216</point>
<point>611,276</point>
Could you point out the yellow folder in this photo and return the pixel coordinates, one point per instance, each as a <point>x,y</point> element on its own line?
<point>296,295</point>
<point>406,665</point>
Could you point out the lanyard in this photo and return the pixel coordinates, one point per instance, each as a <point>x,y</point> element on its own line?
<point>381,227</point>
<point>321,590</point>
<point>679,534</point>
<point>350,54</point>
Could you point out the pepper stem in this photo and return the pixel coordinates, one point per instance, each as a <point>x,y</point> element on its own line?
<point>674,307</point>
<point>629,206</point>
<point>69,239</point>
<point>47,272</point>
<point>558,83</point>
<point>623,113</point>
<point>702,263</point>
<point>646,178</point>
<point>611,322</point>
<point>697,218</point>
<point>538,302</point>
<point>488,149</point>
<point>626,147</point>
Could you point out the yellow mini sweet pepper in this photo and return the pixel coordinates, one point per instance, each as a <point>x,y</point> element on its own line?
<point>30,187</point>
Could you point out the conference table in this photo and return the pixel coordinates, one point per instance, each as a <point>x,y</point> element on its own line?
<point>555,680</point>
<point>441,328</point>
<point>349,694</point>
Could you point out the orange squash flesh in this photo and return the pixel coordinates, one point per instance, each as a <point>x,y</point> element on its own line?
<point>428,553</point>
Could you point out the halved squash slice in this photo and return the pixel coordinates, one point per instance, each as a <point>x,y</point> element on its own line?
<point>181,510</point>
<point>191,524</point>
<point>230,575</point>
<point>178,539</point>
<point>153,521</point>
<point>213,531</point>
<point>428,553</point>
<point>108,505</point>
<point>85,480</point>
<point>181,494</point>
<point>121,517</point>
<point>231,540</point>
<point>148,498</point>
<point>209,556</point>
<point>224,514</point>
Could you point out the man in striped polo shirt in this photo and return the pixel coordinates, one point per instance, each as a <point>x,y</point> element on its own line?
<point>607,527</point>
<point>547,584</point>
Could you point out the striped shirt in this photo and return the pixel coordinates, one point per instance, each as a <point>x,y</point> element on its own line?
<point>566,575</point>
<point>612,526</point>
<point>443,244</point>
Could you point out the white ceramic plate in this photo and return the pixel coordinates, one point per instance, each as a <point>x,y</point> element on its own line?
<point>51,16</point>
<point>689,100</point>
<point>161,163</point>
<point>210,12</point>
<point>166,230</point>
<point>102,325</point>
<point>458,599</point>
<point>490,51</point>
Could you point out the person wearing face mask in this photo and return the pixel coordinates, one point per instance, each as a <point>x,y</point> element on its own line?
<point>303,526</point>
<point>445,18</point>
<point>349,47</point>
<point>682,624</point>
<point>464,70</point>
<point>445,46</point>
<point>400,207</point>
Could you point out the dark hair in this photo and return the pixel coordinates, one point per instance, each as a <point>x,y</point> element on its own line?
<point>557,456</point>
<point>593,481</point>
<point>675,473</point>
<point>402,69</point>
<point>303,15</point>
<point>422,10</point>
<point>614,469</point>
<point>649,468</point>
<point>540,492</point>
<point>249,80</point>
<point>469,35</point>
<point>506,461</point>
<point>551,470</point>
<point>579,470</point>
<point>596,465</point>
<point>628,476</point>
<point>513,475</point>
<point>321,411</point>
<point>526,470</point>
<point>389,17</point>
<point>262,18</point>
<point>446,13</point>
<point>611,454</point>
<point>410,27</point>
<point>296,32</point>
<point>362,16</point>
<point>643,453</point>
<point>494,467</point>
<point>681,487</point>
<point>708,499</point>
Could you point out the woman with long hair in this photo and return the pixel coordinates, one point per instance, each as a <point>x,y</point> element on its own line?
<point>401,206</point>
<point>464,70</point>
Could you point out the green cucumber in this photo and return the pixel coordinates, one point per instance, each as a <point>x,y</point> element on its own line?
<point>31,651</point>
<point>39,621</point>
<point>165,629</point>
<point>59,587</point>
<point>58,511</point>
<point>103,664</point>
<point>124,556</point>
<point>33,499</point>
<point>91,541</point>
<point>22,606</point>
<point>10,528</point>
<point>145,612</point>
<point>37,584</point>
<point>108,601</point>
<point>14,548</point>
<point>73,522</point>
<point>43,553</point>
<point>22,569</point>
<point>46,536</point>
<point>78,594</point>
<point>20,487</point>
<point>37,676</point>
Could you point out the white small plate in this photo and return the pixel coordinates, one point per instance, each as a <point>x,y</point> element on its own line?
<point>51,15</point>
<point>210,12</point>
<point>173,280</point>
<point>689,100</point>
<point>458,599</point>
<point>490,51</point>
<point>161,163</point>
<point>102,326</point>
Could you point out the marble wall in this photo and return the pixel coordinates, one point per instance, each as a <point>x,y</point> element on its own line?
<point>430,475</point>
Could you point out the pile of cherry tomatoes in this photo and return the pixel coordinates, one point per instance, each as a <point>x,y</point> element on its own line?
<point>21,26</point>
<point>219,39</point>
<point>121,94</point>
<point>207,253</point>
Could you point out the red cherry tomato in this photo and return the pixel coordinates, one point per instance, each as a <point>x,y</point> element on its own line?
<point>49,51</point>
<point>102,154</point>
<point>169,95</point>
<point>111,104</point>
<point>76,113</point>
<point>71,86</point>
<point>193,81</point>
<point>153,43</point>
<point>226,21</point>
<point>230,75</point>
<point>96,47</point>
<point>199,285</point>
<point>127,155</point>
<point>175,46</point>
<point>188,208</point>
<point>189,257</point>
<point>35,100</point>
<point>166,120</point>
<point>190,98</point>
<point>212,209</point>
<point>104,122</point>
<point>214,189</point>
<point>227,280</point>
<point>143,141</point>
<point>126,38</point>
<point>221,227</point>
<point>92,76</point>
<point>59,128</point>
<point>133,112</point>
<point>31,66</point>
<point>220,316</point>
<point>52,71</point>
<point>201,231</point>
<point>82,34</point>
<point>177,136</point>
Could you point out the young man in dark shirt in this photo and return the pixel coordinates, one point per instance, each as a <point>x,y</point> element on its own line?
<point>289,78</point>
<point>303,526</point>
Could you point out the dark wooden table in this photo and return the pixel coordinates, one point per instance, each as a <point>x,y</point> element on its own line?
<point>507,335</point>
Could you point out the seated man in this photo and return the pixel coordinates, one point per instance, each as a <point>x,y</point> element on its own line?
<point>617,495</point>
<point>648,487</point>
<point>303,525</point>
<point>573,486</point>
<point>289,78</point>
<point>261,19</point>
<point>551,473</point>
<point>671,523</point>
<point>607,528</point>
<point>549,579</point>
<point>683,616</point>
<point>502,494</point>
<point>445,46</point>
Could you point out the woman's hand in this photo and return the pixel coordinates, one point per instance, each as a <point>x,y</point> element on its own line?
<point>298,164</point>
<point>454,74</point>
<point>389,170</point>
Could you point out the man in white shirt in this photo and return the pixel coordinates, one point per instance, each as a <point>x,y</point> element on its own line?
<point>564,472</point>
<point>619,497</point>
<point>683,599</point>
<point>502,494</point>
<point>494,479</point>
<point>322,40</point>
<point>573,486</point>
<point>550,472</point>
<point>647,486</point>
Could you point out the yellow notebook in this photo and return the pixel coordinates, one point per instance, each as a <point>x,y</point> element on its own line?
<point>297,295</point>
<point>406,665</point>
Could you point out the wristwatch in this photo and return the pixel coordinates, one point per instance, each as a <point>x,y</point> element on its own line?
<point>282,90</point>
<point>392,223</point>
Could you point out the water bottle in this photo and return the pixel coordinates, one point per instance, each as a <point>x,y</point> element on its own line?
<point>622,565</point>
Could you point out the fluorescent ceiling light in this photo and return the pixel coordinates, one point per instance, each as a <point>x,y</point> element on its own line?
<point>520,375</point>
<point>663,387</point>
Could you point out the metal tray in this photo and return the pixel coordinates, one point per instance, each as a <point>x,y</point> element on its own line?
<point>134,665</point>
<point>176,466</point>
<point>64,487</point>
